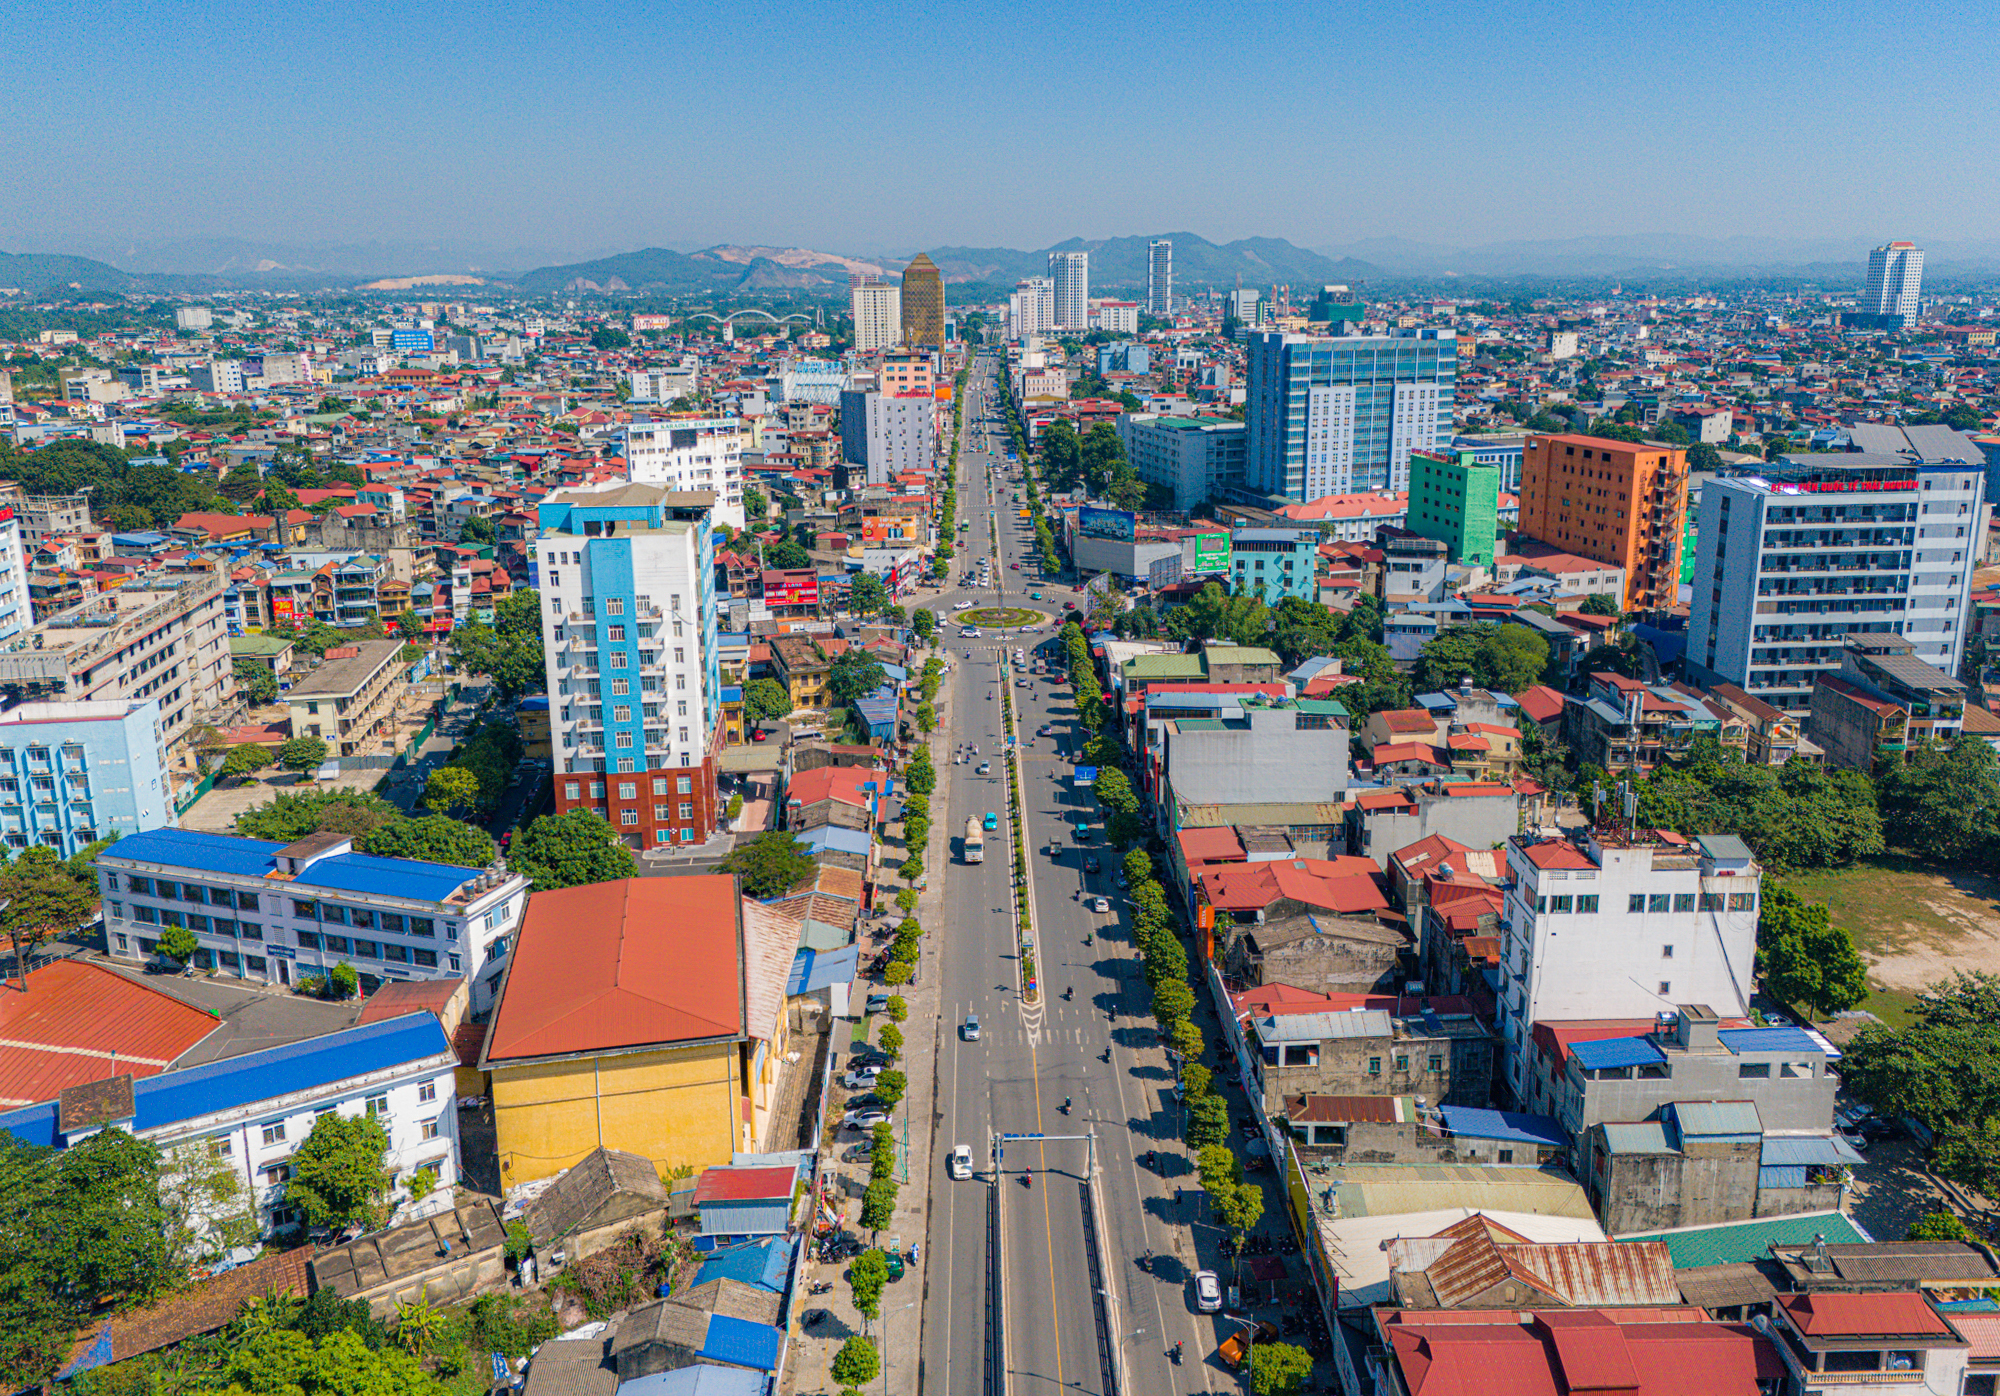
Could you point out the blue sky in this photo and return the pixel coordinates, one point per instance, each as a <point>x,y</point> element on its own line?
<point>584,127</point>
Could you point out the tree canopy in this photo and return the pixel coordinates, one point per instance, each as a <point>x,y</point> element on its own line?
<point>509,651</point>
<point>1795,816</point>
<point>1806,960</point>
<point>1503,658</point>
<point>855,674</point>
<point>771,864</point>
<point>1942,1070</point>
<point>338,1176</point>
<point>765,700</point>
<point>569,850</point>
<point>1943,802</point>
<point>431,839</point>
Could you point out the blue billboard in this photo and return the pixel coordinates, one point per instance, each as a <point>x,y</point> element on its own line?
<point>1118,525</point>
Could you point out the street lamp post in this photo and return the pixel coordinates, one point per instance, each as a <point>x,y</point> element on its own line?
<point>885,1342</point>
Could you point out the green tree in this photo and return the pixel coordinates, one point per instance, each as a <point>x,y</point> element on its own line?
<point>924,624</point>
<point>857,1363</point>
<point>1504,658</point>
<point>42,901</point>
<point>1938,1226</point>
<point>451,790</point>
<point>890,1088</point>
<point>302,755</point>
<point>771,864</point>
<point>866,595</point>
<point>1943,1070</point>
<point>179,943</point>
<point>767,701</point>
<point>338,1177</point>
<point>294,814</point>
<point>82,1234</point>
<point>570,850</point>
<point>878,1203</point>
<point>866,1277</point>
<point>431,839</point>
<point>1601,605</point>
<point>788,557</point>
<point>1943,802</point>
<point>287,1362</point>
<point>478,532</point>
<point>205,1208</point>
<point>609,337</point>
<point>1207,1121</point>
<point>1703,456</point>
<point>255,683</point>
<point>245,760</point>
<point>855,674</point>
<point>342,981</point>
<point>1279,1369</point>
<point>1173,1001</point>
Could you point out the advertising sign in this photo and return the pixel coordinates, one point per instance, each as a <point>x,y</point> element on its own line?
<point>1210,553</point>
<point>1163,571</point>
<point>1118,525</point>
<point>791,588</point>
<point>281,608</point>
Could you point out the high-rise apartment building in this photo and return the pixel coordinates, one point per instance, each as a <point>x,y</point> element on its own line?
<point>1031,309</point>
<point>1611,501</point>
<point>877,308</point>
<point>923,304</point>
<point>1160,277</point>
<point>635,687</point>
<point>1070,271</point>
<point>16,614</point>
<point>1815,548</point>
<point>1339,415</point>
<point>888,433</point>
<point>1895,280</point>
<point>689,453</point>
<point>1455,500</point>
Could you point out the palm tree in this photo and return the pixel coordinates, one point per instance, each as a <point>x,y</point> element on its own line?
<point>417,1323</point>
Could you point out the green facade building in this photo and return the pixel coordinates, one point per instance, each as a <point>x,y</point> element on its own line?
<point>1455,501</point>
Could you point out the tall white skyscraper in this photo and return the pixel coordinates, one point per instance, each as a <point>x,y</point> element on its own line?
<point>1032,307</point>
<point>878,313</point>
<point>1160,278</point>
<point>1071,273</point>
<point>1895,280</point>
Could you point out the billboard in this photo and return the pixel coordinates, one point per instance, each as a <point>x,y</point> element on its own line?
<point>1209,553</point>
<point>1163,571</point>
<point>798,587</point>
<point>1118,525</point>
<point>282,609</point>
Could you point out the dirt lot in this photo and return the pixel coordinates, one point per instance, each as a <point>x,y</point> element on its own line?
<point>1912,924</point>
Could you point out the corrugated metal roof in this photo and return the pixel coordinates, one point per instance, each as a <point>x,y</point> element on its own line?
<point>1785,1176</point>
<point>1804,1149</point>
<point>725,1183</point>
<point>185,848</point>
<point>761,1263</point>
<point>742,1343</point>
<point>1316,1027</point>
<point>1611,1052</point>
<point>1751,1240</point>
<point>1644,1137</point>
<point>1770,1040</point>
<point>1475,1123</point>
<point>385,877</point>
<point>817,969</point>
<point>81,1022</point>
<point>1352,1109</point>
<point>702,1379</point>
<point>1710,1119</point>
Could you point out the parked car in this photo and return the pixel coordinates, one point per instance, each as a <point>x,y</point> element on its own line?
<point>865,1119</point>
<point>758,734</point>
<point>862,1079</point>
<point>1100,904</point>
<point>1207,1292</point>
<point>961,1161</point>
<point>878,1003</point>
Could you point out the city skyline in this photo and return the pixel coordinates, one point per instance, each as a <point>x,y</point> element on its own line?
<point>371,125</point>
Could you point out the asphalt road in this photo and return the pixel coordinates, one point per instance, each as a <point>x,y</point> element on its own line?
<point>1015,1078</point>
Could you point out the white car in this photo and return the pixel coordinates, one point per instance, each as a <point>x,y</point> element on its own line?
<point>968,633</point>
<point>865,1119</point>
<point>1099,904</point>
<point>1207,1292</point>
<point>861,1078</point>
<point>961,1161</point>
<point>962,606</point>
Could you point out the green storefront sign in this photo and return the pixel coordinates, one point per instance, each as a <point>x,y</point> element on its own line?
<point>1211,552</point>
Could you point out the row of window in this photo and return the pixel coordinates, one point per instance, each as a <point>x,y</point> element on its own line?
<point>629,789</point>
<point>385,950</point>
<point>188,892</point>
<point>1647,902</point>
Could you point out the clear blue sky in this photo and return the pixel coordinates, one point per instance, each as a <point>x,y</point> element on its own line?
<point>587,127</point>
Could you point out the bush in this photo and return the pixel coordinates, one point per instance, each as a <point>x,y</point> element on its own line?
<point>342,981</point>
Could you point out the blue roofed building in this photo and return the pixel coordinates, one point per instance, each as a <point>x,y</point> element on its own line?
<point>280,912</point>
<point>252,1111</point>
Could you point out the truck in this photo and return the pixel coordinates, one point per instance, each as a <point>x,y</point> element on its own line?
<point>975,842</point>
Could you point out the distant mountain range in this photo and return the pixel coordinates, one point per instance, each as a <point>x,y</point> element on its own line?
<point>204,265</point>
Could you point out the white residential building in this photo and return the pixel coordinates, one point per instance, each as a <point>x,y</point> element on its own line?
<point>1895,280</point>
<point>1115,317</point>
<point>16,614</point>
<point>1813,548</point>
<point>878,314</point>
<point>888,433</point>
<point>217,376</point>
<point>689,453</point>
<point>193,317</point>
<point>634,673</point>
<point>253,1111</point>
<point>279,912</point>
<point>1070,271</point>
<point>1031,309</point>
<point>1623,926</point>
<point>667,382</point>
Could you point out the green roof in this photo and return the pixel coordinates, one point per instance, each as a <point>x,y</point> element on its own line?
<point>1736,1242</point>
<point>270,645</point>
<point>1164,666</point>
<point>1321,707</point>
<point>1239,654</point>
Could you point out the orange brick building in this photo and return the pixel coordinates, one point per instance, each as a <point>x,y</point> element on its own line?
<point>1611,501</point>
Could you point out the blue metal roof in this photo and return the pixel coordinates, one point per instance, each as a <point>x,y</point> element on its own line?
<point>761,1263</point>
<point>813,969</point>
<point>742,1343</point>
<point>279,1071</point>
<point>836,838</point>
<point>1770,1040</point>
<point>1789,1150</point>
<point>1610,1052</point>
<point>184,848</point>
<point>702,1379</point>
<point>386,877</point>
<point>1476,1123</point>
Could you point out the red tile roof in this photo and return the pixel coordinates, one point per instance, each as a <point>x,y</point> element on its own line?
<point>744,1184</point>
<point>596,969</point>
<point>1338,884</point>
<point>80,1022</point>
<point>1629,1351</point>
<point>1556,853</point>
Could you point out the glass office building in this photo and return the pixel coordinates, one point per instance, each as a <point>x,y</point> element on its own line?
<point>1341,415</point>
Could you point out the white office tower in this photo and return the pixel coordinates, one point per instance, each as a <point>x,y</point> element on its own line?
<point>1031,310</point>
<point>1895,280</point>
<point>689,453</point>
<point>1160,278</point>
<point>1071,273</point>
<point>878,313</point>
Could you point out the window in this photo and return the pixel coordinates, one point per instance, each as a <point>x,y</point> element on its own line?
<point>221,1145</point>
<point>659,785</point>
<point>428,1129</point>
<point>1711,901</point>
<point>393,921</point>
<point>1586,906</point>
<point>1666,952</point>
<point>1683,901</point>
<point>1742,901</point>
<point>687,809</point>
<point>427,1092</point>
<point>305,911</point>
<point>1402,1063</point>
<point>145,915</point>
<point>623,741</point>
<point>614,606</point>
<point>376,1106</point>
<point>684,786</point>
<point>366,950</point>
<point>572,790</point>
<point>451,961</point>
<point>628,790</point>
<point>1753,1071</point>
<point>660,814</point>
<point>1436,1062</point>
<point>274,1134</point>
<point>246,901</point>
<point>422,926</point>
<point>1666,989</point>
<point>597,790</point>
<point>364,920</point>
<point>142,885</point>
<point>1374,1066</point>
<point>1635,904</point>
<point>308,940</point>
<point>1559,905</point>
<point>272,1175</point>
<point>396,954</point>
<point>617,634</point>
<point>628,818</point>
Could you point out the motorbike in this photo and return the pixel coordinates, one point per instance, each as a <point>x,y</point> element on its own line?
<point>1177,1354</point>
<point>823,1287</point>
<point>1088,939</point>
<point>1068,994</point>
<point>1065,1105</point>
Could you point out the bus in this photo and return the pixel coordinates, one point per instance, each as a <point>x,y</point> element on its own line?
<point>975,842</point>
